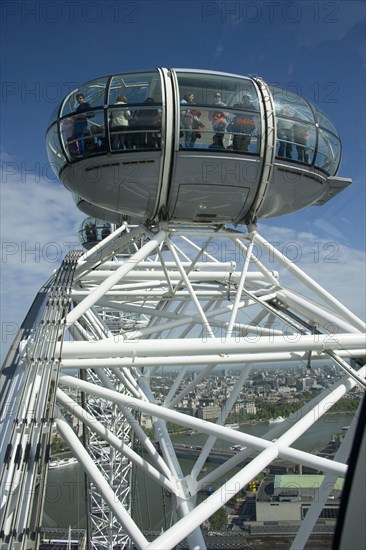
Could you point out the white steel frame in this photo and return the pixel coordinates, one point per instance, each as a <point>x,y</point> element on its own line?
<point>147,298</point>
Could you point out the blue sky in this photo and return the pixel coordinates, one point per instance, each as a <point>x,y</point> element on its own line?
<point>316,48</point>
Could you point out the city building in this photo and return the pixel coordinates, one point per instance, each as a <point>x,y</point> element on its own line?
<point>289,497</point>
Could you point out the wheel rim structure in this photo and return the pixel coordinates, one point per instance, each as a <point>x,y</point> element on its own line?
<point>170,296</point>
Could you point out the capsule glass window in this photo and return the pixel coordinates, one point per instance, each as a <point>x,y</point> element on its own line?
<point>55,154</point>
<point>83,134</point>
<point>328,153</point>
<point>292,105</point>
<point>324,122</point>
<point>93,230</point>
<point>304,139</point>
<point>211,89</point>
<point>218,112</point>
<point>135,88</point>
<point>92,94</point>
<point>54,114</point>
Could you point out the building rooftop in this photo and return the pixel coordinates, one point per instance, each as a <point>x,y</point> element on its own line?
<point>303,481</point>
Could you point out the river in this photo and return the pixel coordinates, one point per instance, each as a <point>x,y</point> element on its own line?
<point>65,496</point>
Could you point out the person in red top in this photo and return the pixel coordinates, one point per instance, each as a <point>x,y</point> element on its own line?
<point>218,118</point>
<point>242,126</point>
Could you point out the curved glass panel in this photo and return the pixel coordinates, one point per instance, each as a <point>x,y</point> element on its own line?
<point>295,140</point>
<point>244,126</point>
<point>216,112</point>
<point>212,89</point>
<point>328,154</point>
<point>83,134</point>
<point>135,128</point>
<point>93,231</point>
<point>224,114</point>
<point>228,129</point>
<point>285,135</point>
<point>135,87</point>
<point>54,115</point>
<point>55,155</point>
<point>325,122</point>
<point>293,105</point>
<point>88,96</point>
<point>304,139</point>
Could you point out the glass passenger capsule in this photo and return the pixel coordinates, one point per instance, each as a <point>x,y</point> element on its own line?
<point>189,145</point>
<point>92,231</point>
<point>96,211</point>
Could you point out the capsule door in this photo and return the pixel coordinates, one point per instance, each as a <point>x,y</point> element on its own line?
<point>216,161</point>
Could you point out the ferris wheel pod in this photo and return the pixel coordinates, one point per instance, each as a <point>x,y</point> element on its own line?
<point>98,212</point>
<point>92,231</point>
<point>150,151</point>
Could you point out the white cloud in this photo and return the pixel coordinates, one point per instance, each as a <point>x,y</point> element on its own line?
<point>339,268</point>
<point>39,224</point>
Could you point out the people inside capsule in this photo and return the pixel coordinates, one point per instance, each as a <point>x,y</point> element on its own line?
<point>301,139</point>
<point>98,133</point>
<point>81,123</point>
<point>90,232</point>
<point>209,120</point>
<point>186,120</point>
<point>89,142</point>
<point>285,133</point>
<point>106,230</point>
<point>147,122</point>
<point>219,118</point>
<point>196,125</point>
<point>93,231</point>
<point>119,124</point>
<point>242,126</point>
<point>216,142</point>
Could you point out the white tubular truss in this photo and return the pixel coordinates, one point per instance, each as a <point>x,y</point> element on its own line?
<point>176,302</point>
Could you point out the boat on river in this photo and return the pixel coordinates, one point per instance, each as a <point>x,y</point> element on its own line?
<point>276,420</point>
<point>61,463</point>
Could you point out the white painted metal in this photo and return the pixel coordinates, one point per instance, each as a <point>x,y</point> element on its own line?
<point>152,298</point>
<point>324,490</point>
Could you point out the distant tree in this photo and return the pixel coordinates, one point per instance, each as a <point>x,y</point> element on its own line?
<point>58,445</point>
<point>218,520</point>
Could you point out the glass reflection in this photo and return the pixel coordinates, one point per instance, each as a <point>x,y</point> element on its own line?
<point>324,122</point>
<point>212,89</point>
<point>297,107</point>
<point>328,153</point>
<point>54,114</point>
<point>135,87</point>
<point>93,93</point>
<point>55,155</point>
<point>297,140</point>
